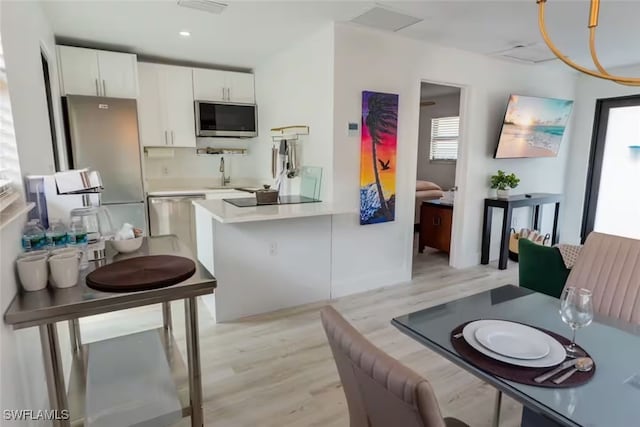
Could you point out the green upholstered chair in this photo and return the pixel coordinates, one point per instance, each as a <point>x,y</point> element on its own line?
<point>541,268</point>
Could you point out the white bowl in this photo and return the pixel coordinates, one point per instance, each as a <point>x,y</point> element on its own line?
<point>127,246</point>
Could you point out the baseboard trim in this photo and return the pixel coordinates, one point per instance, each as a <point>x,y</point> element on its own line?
<point>341,288</point>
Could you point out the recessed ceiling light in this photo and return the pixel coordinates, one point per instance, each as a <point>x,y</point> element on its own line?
<point>184,33</point>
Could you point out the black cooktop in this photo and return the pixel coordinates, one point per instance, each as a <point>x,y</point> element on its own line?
<point>245,202</point>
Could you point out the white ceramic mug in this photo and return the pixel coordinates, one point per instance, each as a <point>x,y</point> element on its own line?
<point>41,252</point>
<point>32,271</point>
<point>63,251</point>
<point>64,269</point>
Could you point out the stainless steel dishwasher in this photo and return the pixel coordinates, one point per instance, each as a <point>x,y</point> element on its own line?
<point>174,215</point>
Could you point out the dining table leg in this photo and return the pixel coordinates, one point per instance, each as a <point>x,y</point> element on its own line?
<point>54,375</point>
<point>496,409</point>
<point>193,361</point>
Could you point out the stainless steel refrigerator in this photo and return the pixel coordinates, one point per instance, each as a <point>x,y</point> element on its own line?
<point>103,136</point>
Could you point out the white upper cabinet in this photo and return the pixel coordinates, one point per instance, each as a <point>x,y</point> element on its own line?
<point>151,116</point>
<point>177,89</point>
<point>97,72</point>
<point>223,86</point>
<point>79,71</point>
<point>118,73</point>
<point>240,88</point>
<point>209,85</point>
<point>165,106</point>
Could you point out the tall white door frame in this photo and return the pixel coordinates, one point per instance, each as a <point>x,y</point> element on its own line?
<point>462,164</point>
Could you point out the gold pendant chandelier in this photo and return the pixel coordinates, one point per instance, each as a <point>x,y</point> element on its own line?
<point>601,72</point>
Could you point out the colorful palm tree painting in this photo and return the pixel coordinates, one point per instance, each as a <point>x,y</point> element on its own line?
<point>378,157</point>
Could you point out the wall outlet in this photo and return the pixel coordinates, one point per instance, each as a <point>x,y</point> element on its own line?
<point>273,249</point>
<point>165,170</point>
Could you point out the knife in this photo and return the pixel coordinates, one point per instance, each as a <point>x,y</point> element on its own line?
<point>542,378</point>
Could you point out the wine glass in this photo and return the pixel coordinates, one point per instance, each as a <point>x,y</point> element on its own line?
<point>576,309</point>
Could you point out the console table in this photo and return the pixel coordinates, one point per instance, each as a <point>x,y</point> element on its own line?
<point>508,204</point>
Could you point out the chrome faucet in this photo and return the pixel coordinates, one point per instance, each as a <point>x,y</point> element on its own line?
<point>223,179</point>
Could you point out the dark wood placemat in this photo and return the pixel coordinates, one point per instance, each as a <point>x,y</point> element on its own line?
<point>519,374</point>
<point>141,273</point>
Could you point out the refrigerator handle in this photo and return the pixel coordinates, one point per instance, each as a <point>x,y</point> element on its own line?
<point>104,88</point>
<point>97,88</point>
<point>173,138</point>
<point>166,140</point>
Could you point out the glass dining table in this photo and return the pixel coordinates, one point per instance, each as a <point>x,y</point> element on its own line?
<point>610,399</point>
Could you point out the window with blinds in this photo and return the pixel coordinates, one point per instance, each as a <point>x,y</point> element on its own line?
<point>444,138</point>
<point>10,177</point>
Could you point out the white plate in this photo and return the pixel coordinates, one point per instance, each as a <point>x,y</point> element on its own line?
<point>557,353</point>
<point>513,340</point>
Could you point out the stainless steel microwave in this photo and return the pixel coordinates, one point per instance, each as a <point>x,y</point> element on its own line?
<point>226,119</point>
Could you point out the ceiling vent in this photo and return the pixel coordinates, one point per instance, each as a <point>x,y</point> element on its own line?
<point>533,53</point>
<point>385,19</point>
<point>205,5</point>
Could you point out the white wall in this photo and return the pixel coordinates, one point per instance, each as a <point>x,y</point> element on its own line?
<point>22,383</point>
<point>25,31</point>
<point>588,91</point>
<point>295,87</point>
<point>443,174</point>
<point>367,257</point>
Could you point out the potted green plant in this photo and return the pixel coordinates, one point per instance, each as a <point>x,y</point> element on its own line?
<point>503,183</point>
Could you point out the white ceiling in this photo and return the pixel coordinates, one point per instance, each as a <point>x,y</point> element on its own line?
<point>247,32</point>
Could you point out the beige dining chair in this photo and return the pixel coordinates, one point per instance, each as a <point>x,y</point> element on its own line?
<point>380,391</point>
<point>609,266</point>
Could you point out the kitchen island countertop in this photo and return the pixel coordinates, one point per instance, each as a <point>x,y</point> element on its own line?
<point>226,213</point>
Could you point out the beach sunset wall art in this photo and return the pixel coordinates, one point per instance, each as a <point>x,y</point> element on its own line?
<point>378,157</point>
<point>533,127</point>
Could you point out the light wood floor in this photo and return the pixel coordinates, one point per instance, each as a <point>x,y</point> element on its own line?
<point>277,369</point>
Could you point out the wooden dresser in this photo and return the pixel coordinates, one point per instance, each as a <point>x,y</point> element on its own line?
<point>436,218</point>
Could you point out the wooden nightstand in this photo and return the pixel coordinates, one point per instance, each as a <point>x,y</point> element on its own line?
<point>436,218</point>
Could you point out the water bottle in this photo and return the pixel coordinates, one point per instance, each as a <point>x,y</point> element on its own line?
<point>77,237</point>
<point>56,235</point>
<point>33,236</point>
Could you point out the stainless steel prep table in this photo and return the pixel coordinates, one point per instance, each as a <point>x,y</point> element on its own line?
<point>45,308</point>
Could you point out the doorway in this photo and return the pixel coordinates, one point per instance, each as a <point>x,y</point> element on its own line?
<point>52,124</point>
<point>612,200</point>
<point>438,140</point>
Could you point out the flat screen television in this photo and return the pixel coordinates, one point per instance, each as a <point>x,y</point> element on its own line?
<point>533,127</point>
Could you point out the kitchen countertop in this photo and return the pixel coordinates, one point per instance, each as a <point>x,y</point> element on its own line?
<point>186,186</point>
<point>226,213</point>
<point>54,305</point>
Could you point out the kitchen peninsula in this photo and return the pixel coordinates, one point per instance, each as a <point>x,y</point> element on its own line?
<point>264,257</point>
